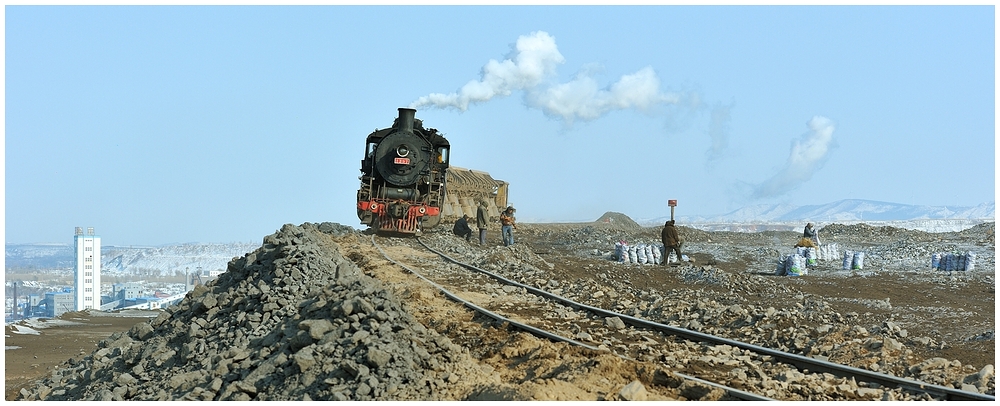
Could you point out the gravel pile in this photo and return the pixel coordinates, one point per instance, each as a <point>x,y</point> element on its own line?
<point>296,320</point>
<point>715,301</point>
<point>286,322</point>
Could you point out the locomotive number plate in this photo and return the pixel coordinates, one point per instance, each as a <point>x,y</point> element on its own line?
<point>401,161</point>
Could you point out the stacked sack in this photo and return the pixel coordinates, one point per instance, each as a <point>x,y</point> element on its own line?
<point>854,260</point>
<point>954,261</point>
<point>791,265</point>
<point>639,253</point>
<point>809,253</point>
<point>621,251</point>
<point>828,251</point>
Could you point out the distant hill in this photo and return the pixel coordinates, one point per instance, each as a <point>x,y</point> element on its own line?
<point>847,210</point>
<point>39,256</point>
<point>926,218</point>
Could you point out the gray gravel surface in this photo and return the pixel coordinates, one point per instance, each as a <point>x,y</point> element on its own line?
<point>298,319</point>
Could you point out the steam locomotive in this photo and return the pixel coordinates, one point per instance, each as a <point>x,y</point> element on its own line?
<point>403,176</point>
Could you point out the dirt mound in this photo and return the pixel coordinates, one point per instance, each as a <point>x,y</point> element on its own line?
<point>290,321</point>
<point>984,234</point>
<point>618,220</point>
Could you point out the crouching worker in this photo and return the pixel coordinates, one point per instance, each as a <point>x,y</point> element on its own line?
<point>462,228</point>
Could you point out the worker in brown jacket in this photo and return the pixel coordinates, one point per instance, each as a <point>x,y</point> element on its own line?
<point>481,218</point>
<point>671,241</point>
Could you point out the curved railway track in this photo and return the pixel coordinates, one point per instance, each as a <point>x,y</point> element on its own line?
<point>566,320</point>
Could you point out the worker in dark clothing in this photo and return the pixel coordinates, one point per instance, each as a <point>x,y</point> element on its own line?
<point>481,221</point>
<point>462,228</point>
<point>811,233</point>
<point>671,241</point>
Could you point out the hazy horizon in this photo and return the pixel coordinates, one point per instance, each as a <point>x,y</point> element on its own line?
<point>685,217</point>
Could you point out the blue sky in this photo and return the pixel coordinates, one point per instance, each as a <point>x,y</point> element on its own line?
<point>169,124</point>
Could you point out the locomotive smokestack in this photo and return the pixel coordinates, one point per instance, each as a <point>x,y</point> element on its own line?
<point>406,119</point>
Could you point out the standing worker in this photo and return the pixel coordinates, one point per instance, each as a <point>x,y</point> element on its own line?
<point>507,226</point>
<point>462,228</point>
<point>481,217</point>
<point>811,233</point>
<point>671,241</point>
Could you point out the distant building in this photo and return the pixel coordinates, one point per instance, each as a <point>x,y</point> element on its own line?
<point>151,303</point>
<point>201,276</point>
<point>34,304</point>
<point>127,290</point>
<point>88,269</point>
<point>57,303</point>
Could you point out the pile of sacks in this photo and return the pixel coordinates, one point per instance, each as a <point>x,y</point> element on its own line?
<point>642,253</point>
<point>954,261</point>
<point>826,251</point>
<point>796,263</point>
<point>854,260</point>
<point>792,265</point>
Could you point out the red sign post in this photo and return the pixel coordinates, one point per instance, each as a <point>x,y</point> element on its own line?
<point>672,204</point>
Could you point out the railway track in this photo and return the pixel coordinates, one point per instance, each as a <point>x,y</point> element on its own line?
<point>549,315</point>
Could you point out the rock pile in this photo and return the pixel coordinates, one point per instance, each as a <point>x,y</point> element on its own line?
<point>717,302</point>
<point>296,320</point>
<point>286,322</point>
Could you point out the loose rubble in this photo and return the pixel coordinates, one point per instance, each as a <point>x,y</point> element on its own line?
<point>286,322</point>
<point>305,318</point>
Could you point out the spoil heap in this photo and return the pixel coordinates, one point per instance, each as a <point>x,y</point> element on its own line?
<point>286,322</point>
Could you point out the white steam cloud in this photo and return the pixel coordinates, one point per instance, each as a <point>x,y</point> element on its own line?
<point>808,154</point>
<point>718,131</point>
<point>530,67</point>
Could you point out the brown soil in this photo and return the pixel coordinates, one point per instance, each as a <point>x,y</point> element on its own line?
<point>29,357</point>
<point>945,310</point>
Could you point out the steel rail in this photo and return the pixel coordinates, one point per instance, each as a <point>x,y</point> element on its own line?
<point>736,393</point>
<point>800,361</point>
<point>473,306</point>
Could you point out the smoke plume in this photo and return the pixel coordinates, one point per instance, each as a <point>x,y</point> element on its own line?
<point>718,131</point>
<point>531,66</point>
<point>808,154</point>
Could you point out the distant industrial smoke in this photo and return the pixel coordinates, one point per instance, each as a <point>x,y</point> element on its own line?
<point>718,131</point>
<point>530,66</point>
<point>807,155</point>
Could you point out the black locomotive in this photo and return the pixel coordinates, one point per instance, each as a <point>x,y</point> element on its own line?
<point>403,177</point>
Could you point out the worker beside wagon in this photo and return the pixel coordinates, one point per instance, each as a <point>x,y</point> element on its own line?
<point>507,226</point>
<point>481,218</point>
<point>462,229</point>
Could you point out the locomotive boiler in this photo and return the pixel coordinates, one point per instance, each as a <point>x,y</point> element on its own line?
<point>403,177</point>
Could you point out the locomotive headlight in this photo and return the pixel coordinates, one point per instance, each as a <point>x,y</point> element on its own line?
<point>402,150</point>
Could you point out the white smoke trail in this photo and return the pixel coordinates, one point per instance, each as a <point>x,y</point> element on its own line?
<point>533,59</point>
<point>718,131</point>
<point>532,62</point>
<point>808,154</point>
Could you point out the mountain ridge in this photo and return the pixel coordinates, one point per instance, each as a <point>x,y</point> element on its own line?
<point>846,210</point>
